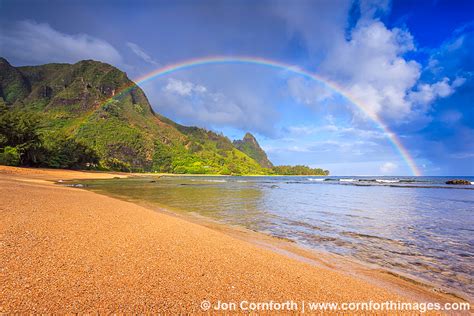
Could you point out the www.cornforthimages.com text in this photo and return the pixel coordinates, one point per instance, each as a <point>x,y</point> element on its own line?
<point>306,306</point>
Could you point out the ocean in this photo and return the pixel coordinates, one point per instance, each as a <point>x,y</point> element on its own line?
<point>416,226</point>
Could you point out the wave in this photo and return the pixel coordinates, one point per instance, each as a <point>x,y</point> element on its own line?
<point>422,186</point>
<point>347,180</point>
<point>316,179</point>
<point>208,180</point>
<point>362,235</point>
<point>386,181</point>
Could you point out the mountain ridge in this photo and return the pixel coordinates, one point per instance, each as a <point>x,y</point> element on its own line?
<point>251,147</point>
<point>81,103</point>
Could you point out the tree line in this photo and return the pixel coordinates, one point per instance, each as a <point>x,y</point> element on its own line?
<point>299,170</point>
<point>24,141</point>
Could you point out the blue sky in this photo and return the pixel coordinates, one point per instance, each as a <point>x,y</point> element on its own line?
<point>409,63</point>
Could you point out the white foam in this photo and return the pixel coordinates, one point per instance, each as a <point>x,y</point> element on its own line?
<point>207,180</point>
<point>387,181</point>
<point>316,179</point>
<point>346,180</point>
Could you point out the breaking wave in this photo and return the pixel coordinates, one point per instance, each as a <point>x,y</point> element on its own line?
<point>316,179</point>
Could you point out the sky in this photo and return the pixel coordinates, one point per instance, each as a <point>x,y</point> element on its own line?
<point>402,70</point>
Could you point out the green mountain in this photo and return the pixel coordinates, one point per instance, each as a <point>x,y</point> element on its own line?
<point>79,116</point>
<point>250,146</point>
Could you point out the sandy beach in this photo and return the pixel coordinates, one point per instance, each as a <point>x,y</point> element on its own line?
<point>66,249</point>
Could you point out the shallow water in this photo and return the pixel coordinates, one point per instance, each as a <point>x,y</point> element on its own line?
<point>415,225</point>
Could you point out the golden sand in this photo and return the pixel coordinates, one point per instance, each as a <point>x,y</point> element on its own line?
<point>70,250</point>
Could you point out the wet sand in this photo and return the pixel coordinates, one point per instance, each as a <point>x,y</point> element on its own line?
<point>69,250</point>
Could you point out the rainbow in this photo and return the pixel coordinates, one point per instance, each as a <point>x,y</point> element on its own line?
<point>192,63</point>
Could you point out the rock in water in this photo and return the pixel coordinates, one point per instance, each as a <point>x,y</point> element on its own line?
<point>458,181</point>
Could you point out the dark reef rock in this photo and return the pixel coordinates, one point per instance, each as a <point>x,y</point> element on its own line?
<point>458,182</point>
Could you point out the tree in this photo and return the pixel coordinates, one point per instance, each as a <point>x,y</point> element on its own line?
<point>9,156</point>
<point>19,129</point>
<point>65,152</point>
<point>162,158</point>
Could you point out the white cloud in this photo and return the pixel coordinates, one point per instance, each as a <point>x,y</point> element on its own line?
<point>371,8</point>
<point>197,104</point>
<point>303,130</point>
<point>34,42</point>
<point>137,50</point>
<point>428,93</point>
<point>337,130</point>
<point>185,88</point>
<point>371,67</point>
<point>388,168</point>
<point>368,61</point>
<point>341,146</point>
<point>305,20</point>
<point>308,92</point>
<point>463,155</point>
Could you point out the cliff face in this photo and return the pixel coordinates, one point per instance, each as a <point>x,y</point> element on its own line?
<point>13,85</point>
<point>75,100</point>
<point>250,146</point>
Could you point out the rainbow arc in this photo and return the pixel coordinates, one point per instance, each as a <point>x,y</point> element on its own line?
<point>213,60</point>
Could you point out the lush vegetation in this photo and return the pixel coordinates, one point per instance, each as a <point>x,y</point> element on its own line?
<point>23,143</point>
<point>75,116</point>
<point>299,170</point>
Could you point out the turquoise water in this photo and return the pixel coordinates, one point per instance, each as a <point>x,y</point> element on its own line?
<point>415,225</point>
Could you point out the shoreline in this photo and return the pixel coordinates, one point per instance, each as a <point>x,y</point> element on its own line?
<point>233,257</point>
<point>423,290</point>
<point>96,174</point>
